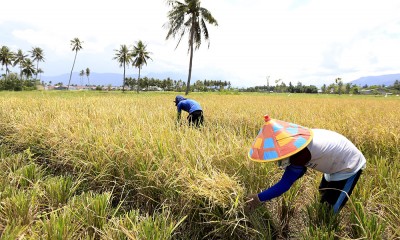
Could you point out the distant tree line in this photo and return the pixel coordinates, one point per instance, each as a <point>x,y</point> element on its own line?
<point>12,82</point>
<point>283,88</point>
<point>338,87</point>
<point>148,84</point>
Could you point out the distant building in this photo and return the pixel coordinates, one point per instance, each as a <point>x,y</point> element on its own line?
<point>367,91</point>
<point>375,91</point>
<point>59,88</point>
<point>154,88</point>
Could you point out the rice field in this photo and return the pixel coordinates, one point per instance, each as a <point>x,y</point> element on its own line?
<point>112,165</point>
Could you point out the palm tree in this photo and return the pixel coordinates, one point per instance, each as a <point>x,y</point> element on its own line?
<point>76,45</point>
<point>19,58</point>
<point>6,57</point>
<point>87,75</point>
<point>38,56</point>
<point>141,56</point>
<point>189,17</point>
<point>28,68</point>
<point>81,74</point>
<point>340,84</point>
<point>124,57</point>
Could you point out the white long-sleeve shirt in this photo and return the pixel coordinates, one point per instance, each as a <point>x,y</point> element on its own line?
<point>334,155</point>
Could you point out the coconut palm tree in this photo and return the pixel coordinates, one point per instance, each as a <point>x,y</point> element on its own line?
<point>76,45</point>
<point>340,84</point>
<point>189,16</point>
<point>141,56</point>
<point>87,75</point>
<point>38,56</point>
<point>19,58</point>
<point>124,57</point>
<point>81,74</point>
<point>28,68</point>
<point>6,57</point>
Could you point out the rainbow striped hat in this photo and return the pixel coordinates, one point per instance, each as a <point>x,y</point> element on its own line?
<point>277,140</point>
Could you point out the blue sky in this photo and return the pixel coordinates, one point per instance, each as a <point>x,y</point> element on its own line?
<point>310,41</point>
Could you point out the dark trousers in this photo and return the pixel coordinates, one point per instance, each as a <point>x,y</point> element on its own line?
<point>336,193</point>
<point>196,118</point>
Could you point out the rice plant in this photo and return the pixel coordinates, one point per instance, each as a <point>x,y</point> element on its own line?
<point>322,222</point>
<point>92,211</point>
<point>58,190</point>
<point>28,175</point>
<point>58,225</point>
<point>12,232</point>
<point>364,225</point>
<point>72,150</point>
<point>133,225</point>
<point>20,209</point>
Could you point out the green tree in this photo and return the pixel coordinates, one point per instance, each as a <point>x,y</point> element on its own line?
<point>19,59</point>
<point>141,56</point>
<point>189,17</point>
<point>396,85</point>
<point>323,88</point>
<point>76,45</point>
<point>331,88</point>
<point>11,82</point>
<point>87,75</point>
<point>37,55</point>
<point>348,88</point>
<point>199,85</point>
<point>299,88</point>
<point>354,89</point>
<point>28,68</point>
<point>124,57</point>
<point>339,82</point>
<point>6,57</point>
<point>81,74</point>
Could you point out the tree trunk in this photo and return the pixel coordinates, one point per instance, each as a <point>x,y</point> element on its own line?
<point>123,80</point>
<point>6,69</point>
<point>138,81</point>
<point>191,58</point>
<point>70,75</point>
<point>37,68</point>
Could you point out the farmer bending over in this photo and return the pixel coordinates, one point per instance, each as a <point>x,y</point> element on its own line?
<point>194,109</point>
<point>296,148</point>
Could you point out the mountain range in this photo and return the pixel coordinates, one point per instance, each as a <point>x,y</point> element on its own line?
<point>115,79</point>
<point>386,80</point>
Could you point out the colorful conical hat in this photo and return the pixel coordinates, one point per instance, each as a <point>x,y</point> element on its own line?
<point>278,140</point>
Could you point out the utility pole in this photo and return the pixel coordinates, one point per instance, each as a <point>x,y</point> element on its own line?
<point>268,84</point>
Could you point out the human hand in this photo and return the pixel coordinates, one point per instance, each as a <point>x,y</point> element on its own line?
<point>252,203</point>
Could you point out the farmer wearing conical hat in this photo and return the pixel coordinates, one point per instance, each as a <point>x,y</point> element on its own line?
<point>295,148</point>
<point>194,109</point>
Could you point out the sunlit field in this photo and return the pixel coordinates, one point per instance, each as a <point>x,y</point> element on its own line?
<point>112,165</point>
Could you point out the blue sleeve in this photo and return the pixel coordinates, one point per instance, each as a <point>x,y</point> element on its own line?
<point>291,174</point>
<point>179,107</point>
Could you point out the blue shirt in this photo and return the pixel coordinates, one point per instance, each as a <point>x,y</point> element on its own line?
<point>292,173</point>
<point>188,105</point>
